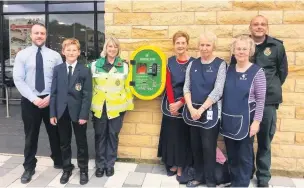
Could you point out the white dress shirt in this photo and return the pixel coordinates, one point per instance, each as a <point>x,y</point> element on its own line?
<point>24,72</point>
<point>73,66</point>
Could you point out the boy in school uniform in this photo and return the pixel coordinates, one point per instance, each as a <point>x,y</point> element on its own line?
<point>71,96</point>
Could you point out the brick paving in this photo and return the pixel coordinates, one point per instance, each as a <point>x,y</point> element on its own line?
<point>127,174</point>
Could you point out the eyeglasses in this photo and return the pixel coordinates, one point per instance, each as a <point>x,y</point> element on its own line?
<point>242,49</point>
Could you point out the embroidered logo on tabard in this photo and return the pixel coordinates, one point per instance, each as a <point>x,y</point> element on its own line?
<point>267,51</point>
<point>209,69</point>
<point>243,77</point>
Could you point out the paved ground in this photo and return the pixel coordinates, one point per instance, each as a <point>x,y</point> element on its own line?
<point>127,174</point>
<point>12,134</point>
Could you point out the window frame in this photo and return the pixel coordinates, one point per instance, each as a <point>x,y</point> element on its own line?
<point>46,13</point>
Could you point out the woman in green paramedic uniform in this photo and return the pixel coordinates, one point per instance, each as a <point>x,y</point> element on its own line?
<point>111,99</point>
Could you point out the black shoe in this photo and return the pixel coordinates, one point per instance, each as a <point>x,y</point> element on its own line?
<point>110,171</point>
<point>84,178</point>
<point>27,176</point>
<point>65,177</point>
<point>171,173</point>
<point>260,184</point>
<point>99,172</point>
<point>57,166</point>
<point>193,184</point>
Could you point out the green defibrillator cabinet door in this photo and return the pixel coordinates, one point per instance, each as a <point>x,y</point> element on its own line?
<point>148,72</point>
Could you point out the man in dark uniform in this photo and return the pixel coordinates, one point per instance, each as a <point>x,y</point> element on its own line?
<point>271,56</point>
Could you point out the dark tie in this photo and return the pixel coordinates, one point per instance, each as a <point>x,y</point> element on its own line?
<point>70,74</point>
<point>39,82</point>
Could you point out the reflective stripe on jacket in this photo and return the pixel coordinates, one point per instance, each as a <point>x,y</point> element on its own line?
<point>111,88</point>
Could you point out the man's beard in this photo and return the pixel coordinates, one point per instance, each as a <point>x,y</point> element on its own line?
<point>40,44</point>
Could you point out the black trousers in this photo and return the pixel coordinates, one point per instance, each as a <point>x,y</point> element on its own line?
<point>240,160</point>
<point>32,117</point>
<point>265,136</point>
<point>203,145</point>
<point>106,139</point>
<point>65,132</point>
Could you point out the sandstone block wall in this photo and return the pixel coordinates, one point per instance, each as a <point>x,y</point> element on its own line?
<point>143,22</point>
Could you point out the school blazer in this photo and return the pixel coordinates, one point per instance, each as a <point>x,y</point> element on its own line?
<point>77,96</point>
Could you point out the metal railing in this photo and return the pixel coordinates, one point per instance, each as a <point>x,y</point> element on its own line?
<point>7,99</point>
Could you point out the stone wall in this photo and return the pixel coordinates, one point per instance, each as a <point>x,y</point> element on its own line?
<point>137,23</point>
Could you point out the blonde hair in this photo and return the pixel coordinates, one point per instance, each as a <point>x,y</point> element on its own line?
<point>180,34</point>
<point>246,38</point>
<point>115,42</point>
<point>210,37</point>
<point>70,41</point>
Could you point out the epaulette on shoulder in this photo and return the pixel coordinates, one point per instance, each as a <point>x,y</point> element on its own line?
<point>278,40</point>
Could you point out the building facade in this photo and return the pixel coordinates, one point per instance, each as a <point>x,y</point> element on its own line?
<point>142,22</point>
<point>145,22</point>
<point>83,20</point>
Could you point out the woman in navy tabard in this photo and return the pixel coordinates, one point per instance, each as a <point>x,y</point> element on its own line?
<point>242,110</point>
<point>174,143</point>
<point>203,90</point>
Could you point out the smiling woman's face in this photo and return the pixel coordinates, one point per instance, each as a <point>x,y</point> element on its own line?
<point>112,50</point>
<point>180,45</point>
<point>242,51</point>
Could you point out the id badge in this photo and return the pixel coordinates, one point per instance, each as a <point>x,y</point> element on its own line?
<point>209,115</point>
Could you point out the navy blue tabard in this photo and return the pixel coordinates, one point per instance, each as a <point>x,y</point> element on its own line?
<point>202,78</point>
<point>178,72</point>
<point>237,112</point>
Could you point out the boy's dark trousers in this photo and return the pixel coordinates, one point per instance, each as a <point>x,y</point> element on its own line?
<point>65,132</point>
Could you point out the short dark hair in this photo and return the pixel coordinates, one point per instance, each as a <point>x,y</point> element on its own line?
<point>40,24</point>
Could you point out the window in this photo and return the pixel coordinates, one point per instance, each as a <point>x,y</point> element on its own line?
<point>71,7</point>
<point>16,35</point>
<point>100,6</point>
<point>30,7</point>
<point>79,26</point>
<point>18,16</point>
<point>100,32</point>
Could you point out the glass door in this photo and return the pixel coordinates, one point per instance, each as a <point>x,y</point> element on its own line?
<point>79,26</point>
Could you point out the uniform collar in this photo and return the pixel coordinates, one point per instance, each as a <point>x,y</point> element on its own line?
<point>117,63</point>
<point>73,64</point>
<point>270,40</point>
